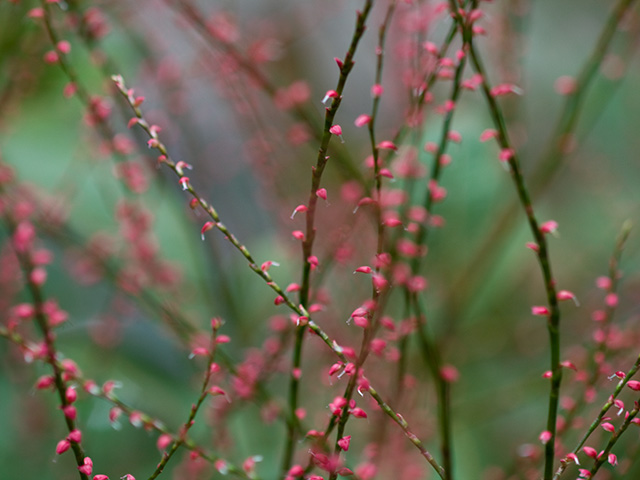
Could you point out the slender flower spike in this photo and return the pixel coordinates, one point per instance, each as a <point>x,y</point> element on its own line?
<point>539,310</point>
<point>337,131</point>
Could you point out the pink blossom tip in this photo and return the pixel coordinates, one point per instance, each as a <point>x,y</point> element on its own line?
<point>539,310</point>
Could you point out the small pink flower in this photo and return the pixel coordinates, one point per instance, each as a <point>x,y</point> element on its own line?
<point>329,94</point>
<point>164,441</point>
<point>70,412</point>
<point>51,57</point>
<point>590,452</point>
<point>362,120</point>
<point>455,136</point>
<point>449,373</point>
<point>344,442</point>
<point>550,226</point>
<point>539,310</point>
<point>205,228</point>
<point>322,193</point>
<point>545,436</point>
<point>87,466</point>
<point>387,145</point>
<point>337,131</point>
<point>296,471</point>
<point>363,269</point>
<point>532,246</point>
<point>612,459</point>
<point>358,412</point>
<point>506,154</point>
<point>377,90</point>
<point>608,427</point>
<point>75,436</point>
<point>565,85</point>
<point>567,295</point>
<point>611,300</point>
<point>63,446</point>
<point>299,209</point>
<point>573,457</point>
<point>634,385</point>
<point>63,46</point>
<point>604,283</point>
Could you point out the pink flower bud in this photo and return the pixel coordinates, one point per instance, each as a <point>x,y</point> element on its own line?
<point>377,90</point>
<point>387,145</point>
<point>362,120</point>
<point>488,134</point>
<point>358,412</point>
<point>590,452</point>
<point>322,193</point>
<point>329,94</point>
<point>70,412</point>
<point>549,227</point>
<point>87,467</point>
<point>299,209</point>
<point>608,427</point>
<point>205,228</point>
<point>634,385</point>
<point>545,436</point>
<point>506,154</point>
<point>296,471</point>
<point>539,310</point>
<point>344,442</point>
<point>63,446</point>
<point>75,436</point>
<point>164,441</point>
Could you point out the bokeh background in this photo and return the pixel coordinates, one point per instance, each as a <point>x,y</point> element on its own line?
<point>252,160</point>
